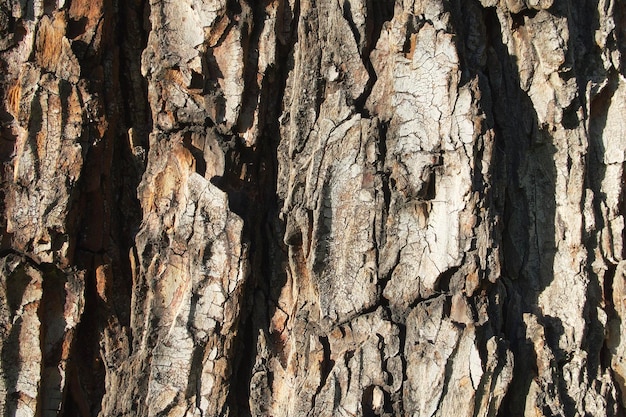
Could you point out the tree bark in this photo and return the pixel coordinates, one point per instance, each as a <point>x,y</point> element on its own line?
<point>312,207</point>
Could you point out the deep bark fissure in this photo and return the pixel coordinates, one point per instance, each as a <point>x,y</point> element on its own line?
<point>259,224</point>
<point>532,278</point>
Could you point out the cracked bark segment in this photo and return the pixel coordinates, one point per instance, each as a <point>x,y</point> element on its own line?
<point>341,178</point>
<point>360,374</point>
<point>431,343</point>
<point>615,326</point>
<point>178,30</point>
<point>188,289</point>
<point>46,102</point>
<point>447,361</point>
<point>322,66</point>
<point>60,191</point>
<point>53,51</point>
<point>341,168</point>
<point>41,308</point>
<point>173,60</point>
<point>608,224</point>
<point>541,47</point>
<point>49,154</point>
<point>354,368</point>
<point>552,164</point>
<point>335,162</point>
<point>612,156</point>
<point>56,118</point>
<point>191,262</point>
<point>21,347</point>
<point>436,131</point>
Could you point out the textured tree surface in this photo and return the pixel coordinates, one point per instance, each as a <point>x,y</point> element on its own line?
<point>312,208</point>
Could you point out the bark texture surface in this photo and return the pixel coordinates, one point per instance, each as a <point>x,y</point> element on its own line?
<point>312,207</point>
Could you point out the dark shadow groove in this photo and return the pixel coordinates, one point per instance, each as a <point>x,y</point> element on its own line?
<point>254,198</point>
<point>108,216</point>
<point>529,211</point>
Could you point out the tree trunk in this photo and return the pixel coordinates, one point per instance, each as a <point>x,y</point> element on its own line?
<point>313,207</point>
